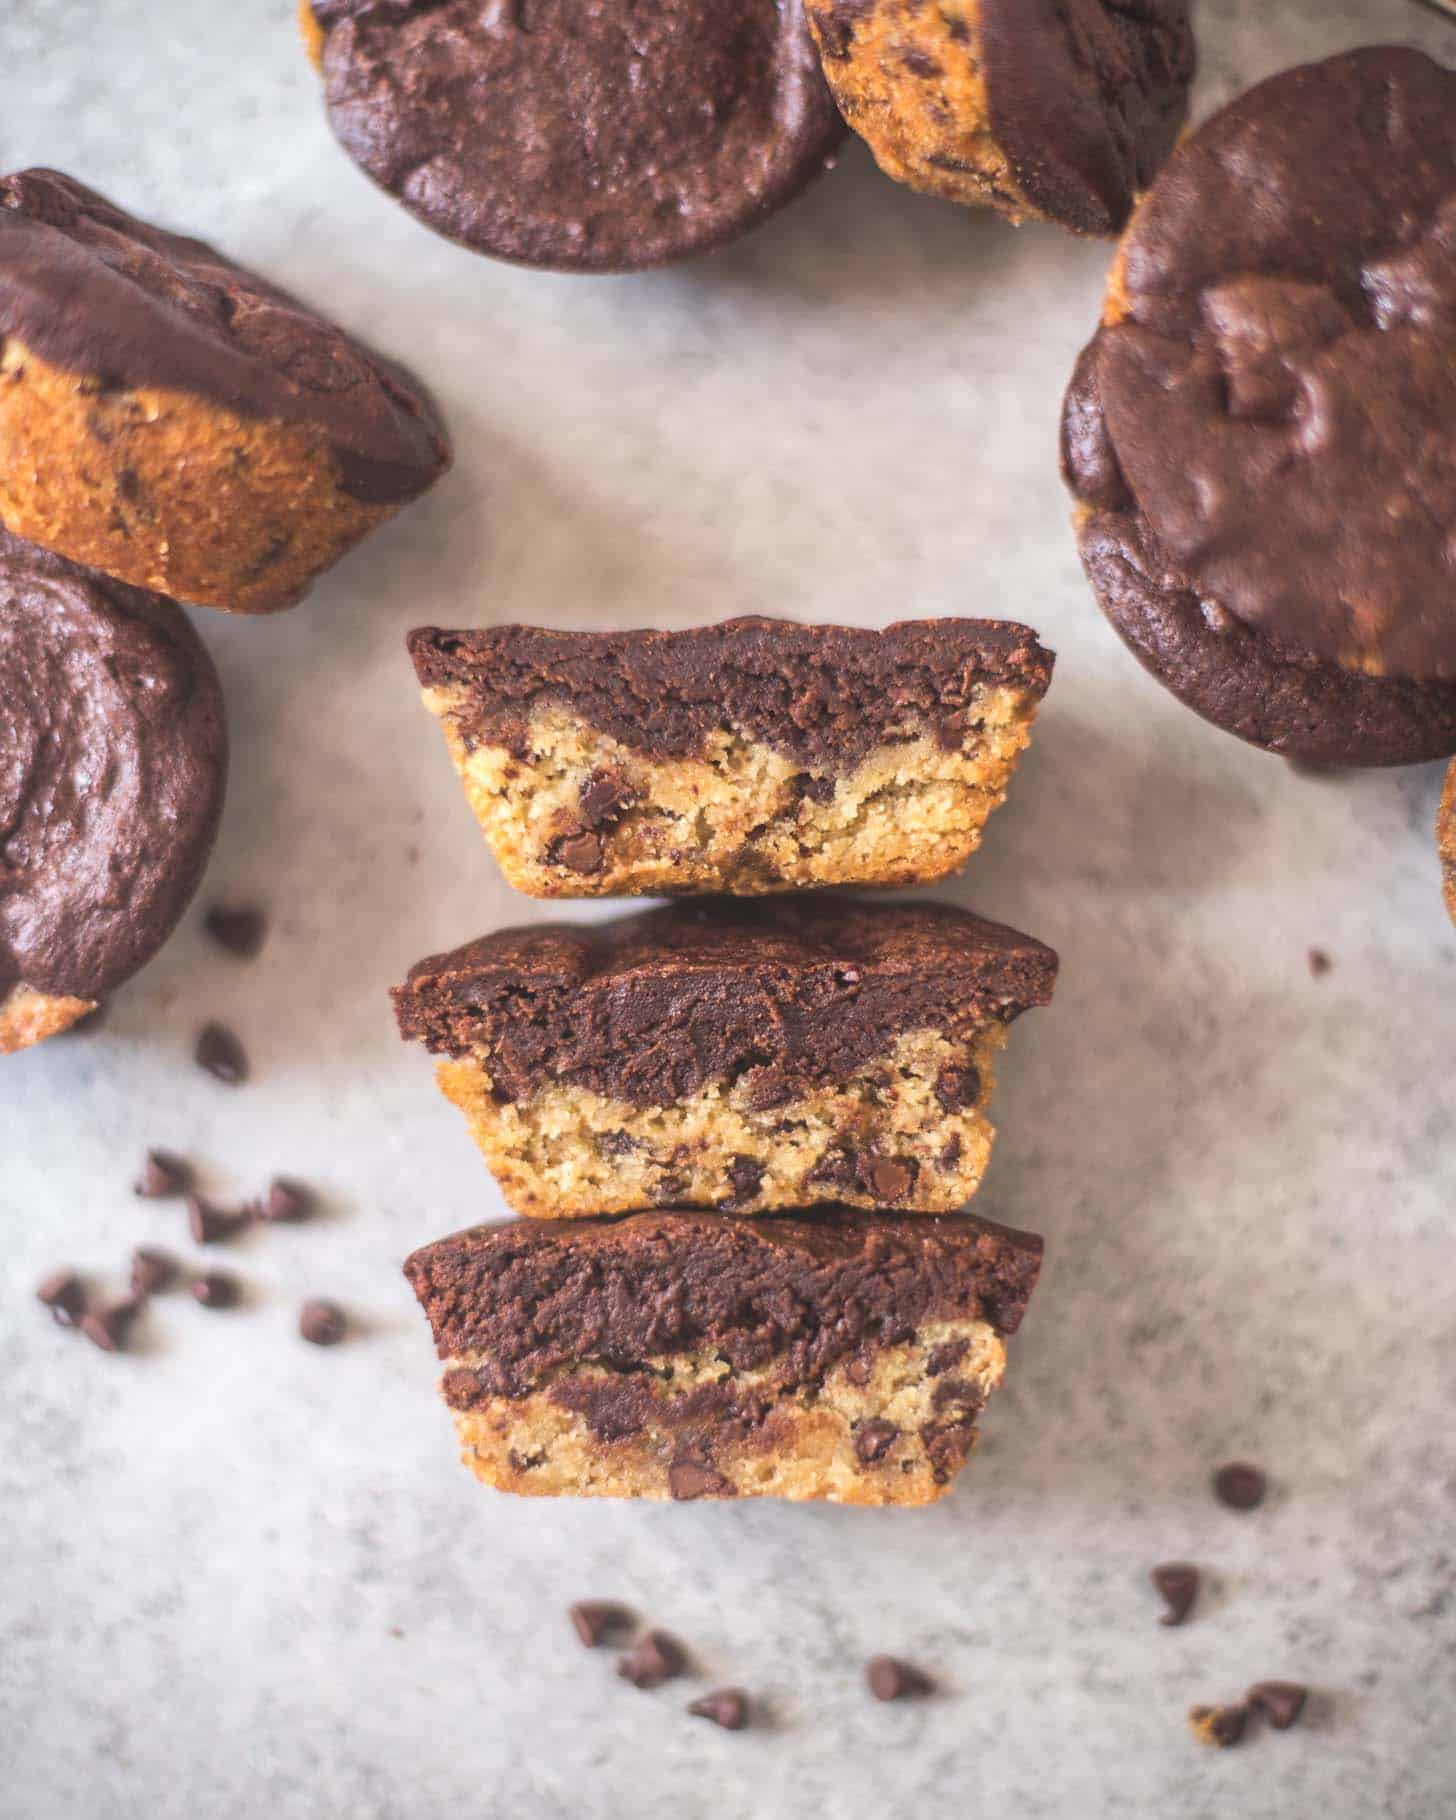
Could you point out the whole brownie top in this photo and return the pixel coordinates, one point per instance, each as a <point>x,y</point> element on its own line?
<point>822,695</point>
<point>600,136</point>
<point>113,758</point>
<point>536,1296</point>
<point>1275,391</point>
<point>784,991</point>
<point>98,293</point>
<point>1086,97</point>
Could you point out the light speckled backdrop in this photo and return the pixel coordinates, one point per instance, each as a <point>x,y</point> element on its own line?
<point>240,1577</point>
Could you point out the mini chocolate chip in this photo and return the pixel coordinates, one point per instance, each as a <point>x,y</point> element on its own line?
<point>151,1271</point>
<point>221,1054</point>
<point>605,797</point>
<point>655,1659</point>
<point>951,1152</point>
<point>1177,1583</point>
<point>162,1175</point>
<point>1319,963</point>
<point>946,1356</point>
<point>809,788</point>
<point>214,1290</point>
<point>322,1323</point>
<point>240,931</point>
<point>616,1143</point>
<point>1240,1486</point>
<point>1280,1702</point>
<point>596,1619</point>
<point>578,853</point>
<point>210,1225</point>
<point>746,1174</point>
<point>890,1679</point>
<point>108,1327</point>
<point>285,1201</point>
<point>889,1179</point>
<point>1220,1725</point>
<point>689,1479</point>
<point>725,1706</point>
<point>957,1088</point>
<point>859,1370</point>
<point>65,1295</point>
<point>873,1440</point>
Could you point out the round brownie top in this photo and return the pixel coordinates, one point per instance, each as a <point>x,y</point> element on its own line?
<point>113,759</point>
<point>98,293</point>
<point>1086,97</point>
<point>602,136</point>
<point>1278,377</point>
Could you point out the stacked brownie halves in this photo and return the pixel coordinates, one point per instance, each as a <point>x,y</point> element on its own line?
<point>738,1127</point>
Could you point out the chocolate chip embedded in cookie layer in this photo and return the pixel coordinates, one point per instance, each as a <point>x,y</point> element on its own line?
<point>686,1356</point>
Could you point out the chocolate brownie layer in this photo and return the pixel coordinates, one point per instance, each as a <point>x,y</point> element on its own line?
<point>1276,375</point>
<point>1062,109</point>
<point>208,433</point>
<point>605,136</point>
<point>779,994</point>
<point>113,758</point>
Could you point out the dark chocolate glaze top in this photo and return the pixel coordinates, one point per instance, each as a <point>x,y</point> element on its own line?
<point>783,991</point>
<point>592,137</point>
<point>113,759</point>
<point>822,695</point>
<point>1280,401</point>
<point>536,1296</point>
<point>96,292</point>
<point>1086,98</point>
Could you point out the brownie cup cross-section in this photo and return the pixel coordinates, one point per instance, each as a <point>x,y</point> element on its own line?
<point>745,757</point>
<point>776,1054</point>
<point>842,1355</point>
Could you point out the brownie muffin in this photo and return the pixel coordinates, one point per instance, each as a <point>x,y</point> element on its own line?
<point>1446,840</point>
<point>1053,110</point>
<point>843,1356</point>
<point>113,759</point>
<point>746,757</point>
<point>179,423</point>
<point>600,137</point>
<point>1262,436</point>
<point>781,1053</point>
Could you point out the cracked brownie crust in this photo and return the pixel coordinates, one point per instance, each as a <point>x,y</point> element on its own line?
<point>744,757</point>
<point>1061,110</point>
<point>179,423</point>
<point>842,1355</point>
<point>599,137</point>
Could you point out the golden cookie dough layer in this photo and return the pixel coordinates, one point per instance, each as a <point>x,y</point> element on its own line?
<point>169,492</point>
<point>567,1153</point>
<point>892,1428</point>
<point>736,819</point>
<point>28,1017</point>
<point>1446,840</point>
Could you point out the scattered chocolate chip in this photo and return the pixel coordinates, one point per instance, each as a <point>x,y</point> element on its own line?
<point>616,1143</point>
<point>809,788</point>
<point>1177,1582</point>
<point>1240,1486</point>
<point>151,1271</point>
<point>285,1201</point>
<point>655,1659</point>
<point>946,1356</point>
<point>957,1088</point>
<point>162,1175</point>
<point>322,1323</point>
<point>1319,963</point>
<point>951,1152</point>
<point>240,931</point>
<point>725,1706</point>
<point>64,1294</point>
<point>596,1619</point>
<point>1219,1725</point>
<point>108,1327</point>
<point>578,852</point>
<point>210,1225</point>
<point>604,798</point>
<point>221,1054</point>
<point>1280,1702</point>
<point>873,1440</point>
<point>214,1290</point>
<point>890,1679</point>
<point>745,1174</point>
<point>888,1178</point>
<point>859,1370</point>
<point>688,1479</point>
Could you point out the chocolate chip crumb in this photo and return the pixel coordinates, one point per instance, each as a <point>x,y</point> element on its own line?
<point>725,1706</point>
<point>873,1440</point>
<point>108,1327</point>
<point>596,1619</point>
<point>1280,1702</point>
<point>215,1290</point>
<point>162,1175</point>
<point>240,931</point>
<point>210,1225</point>
<point>890,1679</point>
<point>1240,1486</point>
<point>151,1272</point>
<point>1218,1725</point>
<point>285,1201</point>
<point>1177,1582</point>
<point>578,853</point>
<point>1319,963</point>
<point>655,1659</point>
<point>221,1054</point>
<point>322,1323</point>
<point>65,1295</point>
